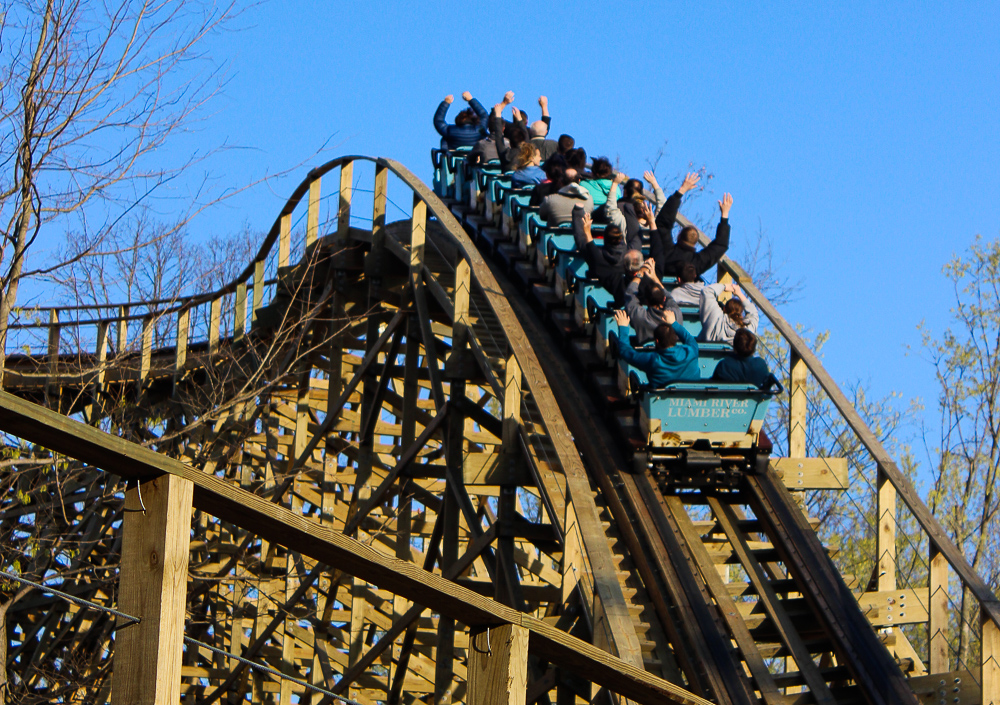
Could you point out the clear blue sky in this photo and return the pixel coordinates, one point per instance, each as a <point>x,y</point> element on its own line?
<point>863,138</point>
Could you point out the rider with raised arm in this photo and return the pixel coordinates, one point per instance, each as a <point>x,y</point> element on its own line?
<point>646,319</point>
<point>675,358</point>
<point>719,322</point>
<point>470,124</point>
<point>671,258</point>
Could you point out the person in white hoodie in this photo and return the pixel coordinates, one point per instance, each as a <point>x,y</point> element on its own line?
<point>719,323</point>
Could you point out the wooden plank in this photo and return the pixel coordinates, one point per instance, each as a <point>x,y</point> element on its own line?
<point>990,660</point>
<point>344,210</point>
<point>122,329</point>
<point>153,587</point>
<point>812,473</point>
<point>887,608</point>
<point>312,211</point>
<point>274,523</point>
<point>498,666</point>
<point>181,339</point>
<point>240,312</point>
<point>418,234</point>
<point>214,320</point>
<point>886,535</point>
<point>284,239</point>
<point>797,406</point>
<point>952,688</point>
<point>937,627</point>
<point>147,348</point>
<point>258,290</point>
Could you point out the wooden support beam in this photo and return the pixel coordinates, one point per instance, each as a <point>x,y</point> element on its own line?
<point>887,608</point>
<point>146,354</point>
<point>284,239</point>
<point>312,212</point>
<point>990,660</point>
<point>181,339</point>
<point>344,211</point>
<point>214,320</point>
<point>93,411</point>
<point>798,376</point>
<point>258,290</point>
<point>240,312</point>
<point>800,473</point>
<point>886,536</point>
<point>937,627</point>
<point>153,587</point>
<point>404,462</point>
<point>122,329</point>
<point>418,234</point>
<point>498,666</point>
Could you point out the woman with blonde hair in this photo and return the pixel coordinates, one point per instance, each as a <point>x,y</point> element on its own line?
<point>527,171</point>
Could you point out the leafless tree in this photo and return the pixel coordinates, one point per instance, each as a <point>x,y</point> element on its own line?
<point>89,92</point>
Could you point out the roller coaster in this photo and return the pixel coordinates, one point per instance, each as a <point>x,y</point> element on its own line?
<point>396,461</point>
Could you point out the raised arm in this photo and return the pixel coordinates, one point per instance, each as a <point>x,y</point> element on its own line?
<point>615,216</point>
<point>667,216</point>
<point>661,198</point>
<point>474,103</point>
<point>543,103</point>
<point>716,248</point>
<point>710,311</point>
<point>496,132</point>
<point>752,314</point>
<point>439,122</point>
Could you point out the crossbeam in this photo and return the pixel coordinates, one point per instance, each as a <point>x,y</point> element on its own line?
<point>279,525</point>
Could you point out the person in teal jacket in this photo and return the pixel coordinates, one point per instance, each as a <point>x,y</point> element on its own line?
<point>675,358</point>
<point>743,365</point>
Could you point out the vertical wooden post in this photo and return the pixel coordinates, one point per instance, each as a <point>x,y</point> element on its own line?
<point>511,407</point>
<point>990,673</point>
<point>498,666</point>
<point>284,239</point>
<point>93,408</point>
<point>798,373</point>
<point>937,627</point>
<point>460,299</point>
<point>52,383</point>
<point>418,233</point>
<point>346,188</point>
<point>147,348</point>
<point>240,312</point>
<point>258,290</point>
<point>180,348</point>
<point>312,214</point>
<point>214,316</point>
<point>122,329</point>
<point>508,588</point>
<point>886,539</point>
<point>153,587</point>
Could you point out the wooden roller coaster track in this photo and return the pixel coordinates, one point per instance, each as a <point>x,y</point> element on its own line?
<point>368,464</point>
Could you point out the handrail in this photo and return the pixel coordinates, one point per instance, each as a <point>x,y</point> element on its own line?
<point>928,522</point>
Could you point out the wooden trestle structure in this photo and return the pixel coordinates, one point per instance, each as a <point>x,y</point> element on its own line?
<point>365,464</point>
